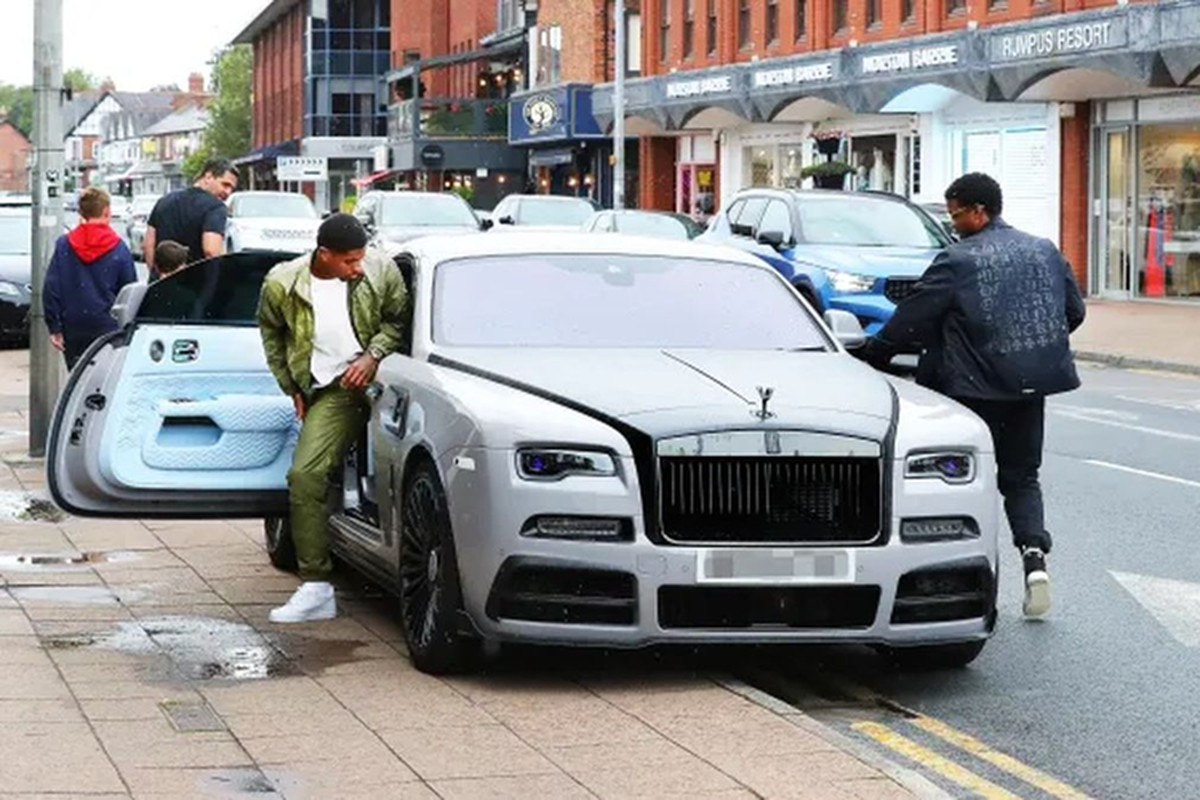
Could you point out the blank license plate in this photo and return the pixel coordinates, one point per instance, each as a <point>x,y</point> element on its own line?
<point>775,566</point>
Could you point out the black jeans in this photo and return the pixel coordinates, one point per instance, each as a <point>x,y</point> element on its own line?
<point>75,346</point>
<point>1018,431</point>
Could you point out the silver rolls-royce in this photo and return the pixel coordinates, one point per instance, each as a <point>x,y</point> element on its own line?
<point>592,440</point>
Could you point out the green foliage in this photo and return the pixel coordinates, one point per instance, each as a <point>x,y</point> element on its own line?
<point>17,105</point>
<point>79,80</point>
<point>192,165</point>
<point>229,113</point>
<point>828,168</point>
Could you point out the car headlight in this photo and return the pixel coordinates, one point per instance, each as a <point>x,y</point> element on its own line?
<point>553,464</point>
<point>8,289</point>
<point>951,467</point>
<point>849,282</point>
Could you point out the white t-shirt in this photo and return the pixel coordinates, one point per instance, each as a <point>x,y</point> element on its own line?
<point>335,345</point>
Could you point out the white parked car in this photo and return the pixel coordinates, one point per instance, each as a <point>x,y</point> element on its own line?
<point>271,221</point>
<point>140,209</point>
<point>592,440</point>
<point>541,212</point>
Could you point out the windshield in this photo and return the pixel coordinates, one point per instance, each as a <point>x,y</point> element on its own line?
<point>15,235</point>
<point>559,211</point>
<point>858,221</point>
<point>658,225</point>
<point>598,301</point>
<point>433,210</point>
<point>282,206</point>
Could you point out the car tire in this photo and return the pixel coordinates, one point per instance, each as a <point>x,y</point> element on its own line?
<point>928,658</point>
<point>428,581</point>
<point>280,547</point>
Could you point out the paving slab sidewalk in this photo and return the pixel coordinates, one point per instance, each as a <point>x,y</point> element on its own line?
<point>1141,335</point>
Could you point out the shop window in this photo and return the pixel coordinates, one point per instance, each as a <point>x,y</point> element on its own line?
<point>908,10</point>
<point>340,14</point>
<point>874,162</point>
<point>549,68</point>
<point>745,34</point>
<point>760,166</point>
<point>710,35</point>
<point>791,162</point>
<point>841,16</point>
<point>772,21</point>
<point>801,20</point>
<point>956,7</point>
<point>874,13</point>
<point>664,29</point>
<point>689,27</point>
<point>1168,221</point>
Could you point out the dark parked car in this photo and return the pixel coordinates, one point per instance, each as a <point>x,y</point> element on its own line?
<point>396,217</point>
<point>860,252</point>
<point>16,270</point>
<point>656,224</point>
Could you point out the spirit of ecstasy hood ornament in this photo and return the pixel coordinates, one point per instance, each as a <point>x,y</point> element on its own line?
<point>765,393</point>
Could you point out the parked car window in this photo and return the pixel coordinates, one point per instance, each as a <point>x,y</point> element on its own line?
<point>364,209</point>
<point>556,211</point>
<point>616,301</point>
<point>734,210</point>
<point>861,221</point>
<point>16,235</point>
<point>778,218</point>
<point>425,209</point>
<point>279,206</point>
<point>657,225</point>
<point>221,291</point>
<point>747,219</point>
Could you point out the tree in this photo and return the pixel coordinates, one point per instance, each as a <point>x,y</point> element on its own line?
<point>17,105</point>
<point>79,80</point>
<point>229,113</point>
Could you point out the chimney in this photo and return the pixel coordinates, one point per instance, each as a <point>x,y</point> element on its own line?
<point>196,83</point>
<point>108,85</point>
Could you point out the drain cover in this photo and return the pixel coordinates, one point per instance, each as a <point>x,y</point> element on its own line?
<point>192,717</point>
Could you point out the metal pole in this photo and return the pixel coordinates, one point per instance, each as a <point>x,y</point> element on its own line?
<point>619,111</point>
<point>44,361</point>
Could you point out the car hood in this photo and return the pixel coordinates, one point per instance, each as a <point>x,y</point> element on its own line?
<point>398,234</point>
<point>16,268</point>
<point>665,392</point>
<point>880,262</point>
<point>276,223</point>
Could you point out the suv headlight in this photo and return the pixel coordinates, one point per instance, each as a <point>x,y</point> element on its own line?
<point>9,289</point>
<point>554,464</point>
<point>849,282</point>
<point>950,466</point>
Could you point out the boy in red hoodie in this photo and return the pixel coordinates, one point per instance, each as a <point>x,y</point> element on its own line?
<point>90,266</point>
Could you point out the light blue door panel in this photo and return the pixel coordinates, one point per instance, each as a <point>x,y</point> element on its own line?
<point>196,408</point>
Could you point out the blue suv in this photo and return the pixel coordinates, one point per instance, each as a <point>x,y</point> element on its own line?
<point>860,252</point>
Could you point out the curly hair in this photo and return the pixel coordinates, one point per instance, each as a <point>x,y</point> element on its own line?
<point>977,189</point>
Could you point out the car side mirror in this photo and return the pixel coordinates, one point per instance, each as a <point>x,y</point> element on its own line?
<point>507,220</point>
<point>486,224</point>
<point>129,300</point>
<point>846,328</point>
<point>773,239</point>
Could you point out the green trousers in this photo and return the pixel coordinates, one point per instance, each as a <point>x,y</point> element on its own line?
<point>334,420</point>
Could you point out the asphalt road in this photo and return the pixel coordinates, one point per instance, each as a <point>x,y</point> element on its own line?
<point>1104,694</point>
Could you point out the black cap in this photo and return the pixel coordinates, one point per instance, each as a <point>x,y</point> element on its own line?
<point>342,233</point>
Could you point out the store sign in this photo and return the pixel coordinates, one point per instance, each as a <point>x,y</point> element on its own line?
<point>702,86</point>
<point>541,112</point>
<point>910,60</point>
<point>433,155</point>
<point>791,76</point>
<point>1083,38</point>
<point>343,146</point>
<point>302,168</point>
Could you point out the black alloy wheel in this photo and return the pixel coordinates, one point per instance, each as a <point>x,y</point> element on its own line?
<point>430,595</point>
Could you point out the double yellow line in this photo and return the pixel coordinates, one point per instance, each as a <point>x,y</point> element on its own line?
<point>958,774</point>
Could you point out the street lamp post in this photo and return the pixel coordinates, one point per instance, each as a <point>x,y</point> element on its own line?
<point>619,111</point>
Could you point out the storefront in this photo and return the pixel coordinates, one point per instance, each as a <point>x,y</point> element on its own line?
<point>350,159</point>
<point>696,175</point>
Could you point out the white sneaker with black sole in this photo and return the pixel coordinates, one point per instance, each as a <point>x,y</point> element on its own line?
<point>313,601</point>
<point>1037,583</point>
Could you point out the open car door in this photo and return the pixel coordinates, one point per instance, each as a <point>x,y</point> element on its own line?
<point>176,415</point>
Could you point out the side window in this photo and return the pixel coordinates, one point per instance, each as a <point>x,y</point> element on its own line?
<point>218,291</point>
<point>746,223</point>
<point>408,271</point>
<point>777,218</point>
<point>734,210</point>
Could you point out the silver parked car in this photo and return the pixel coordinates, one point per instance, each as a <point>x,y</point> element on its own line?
<point>592,440</point>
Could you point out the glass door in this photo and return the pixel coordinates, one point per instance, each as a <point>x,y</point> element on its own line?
<point>1115,221</point>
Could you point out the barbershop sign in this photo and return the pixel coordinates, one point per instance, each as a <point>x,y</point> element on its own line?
<point>694,88</point>
<point>914,60</point>
<point>1079,39</point>
<point>791,76</point>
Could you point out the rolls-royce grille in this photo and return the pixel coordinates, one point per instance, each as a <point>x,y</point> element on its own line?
<point>738,500</point>
<point>896,289</point>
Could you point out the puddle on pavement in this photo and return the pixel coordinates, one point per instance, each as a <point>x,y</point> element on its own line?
<point>27,507</point>
<point>58,562</point>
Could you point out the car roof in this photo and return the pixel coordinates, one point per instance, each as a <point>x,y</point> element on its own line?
<point>264,193</point>
<point>554,198</point>
<point>440,248</point>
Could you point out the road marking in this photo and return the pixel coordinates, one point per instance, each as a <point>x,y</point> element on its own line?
<point>1143,473</point>
<point>1034,777</point>
<point>1191,407</point>
<point>1183,437</point>
<point>1091,411</point>
<point>1174,604</point>
<point>932,761</point>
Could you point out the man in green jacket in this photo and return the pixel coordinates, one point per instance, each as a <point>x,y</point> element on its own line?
<point>327,320</point>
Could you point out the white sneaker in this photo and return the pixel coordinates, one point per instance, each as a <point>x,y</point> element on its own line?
<point>1037,583</point>
<point>314,600</point>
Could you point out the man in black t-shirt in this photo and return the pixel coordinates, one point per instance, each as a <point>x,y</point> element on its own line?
<point>194,217</point>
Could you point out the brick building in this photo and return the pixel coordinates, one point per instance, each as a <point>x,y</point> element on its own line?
<point>1083,109</point>
<point>14,158</point>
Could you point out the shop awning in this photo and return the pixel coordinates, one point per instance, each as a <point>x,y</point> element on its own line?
<point>368,180</point>
<point>269,152</point>
<point>551,158</point>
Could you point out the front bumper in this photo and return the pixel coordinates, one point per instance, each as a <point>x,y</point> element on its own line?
<point>14,320</point>
<point>873,310</point>
<point>653,587</point>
